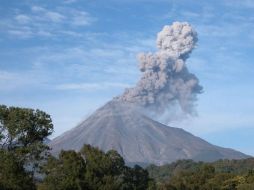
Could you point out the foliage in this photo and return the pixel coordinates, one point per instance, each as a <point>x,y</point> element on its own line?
<point>102,170</point>
<point>66,172</point>
<point>219,175</point>
<point>92,169</point>
<point>22,132</point>
<point>234,166</point>
<point>12,173</point>
<point>162,173</point>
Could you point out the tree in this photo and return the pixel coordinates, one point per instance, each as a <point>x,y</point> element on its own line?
<point>232,183</point>
<point>245,186</point>
<point>117,162</point>
<point>22,132</point>
<point>92,169</point>
<point>65,173</point>
<point>140,178</point>
<point>103,170</point>
<point>218,180</point>
<point>12,174</point>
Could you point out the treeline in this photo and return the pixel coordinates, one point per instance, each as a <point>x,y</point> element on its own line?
<point>92,169</point>
<point>26,164</point>
<point>219,175</point>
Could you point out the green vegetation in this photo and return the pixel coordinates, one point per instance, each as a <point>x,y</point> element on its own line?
<point>23,156</point>
<point>219,175</point>
<point>92,169</point>
<point>22,132</point>
<point>12,173</point>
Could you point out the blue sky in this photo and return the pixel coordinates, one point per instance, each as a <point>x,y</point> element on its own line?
<point>69,57</point>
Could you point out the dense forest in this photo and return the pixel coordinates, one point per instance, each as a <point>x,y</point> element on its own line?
<point>190,175</point>
<point>26,164</point>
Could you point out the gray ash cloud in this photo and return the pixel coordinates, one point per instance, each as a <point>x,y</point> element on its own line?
<point>166,81</point>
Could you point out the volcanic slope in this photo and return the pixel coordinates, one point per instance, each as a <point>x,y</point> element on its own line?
<point>138,138</point>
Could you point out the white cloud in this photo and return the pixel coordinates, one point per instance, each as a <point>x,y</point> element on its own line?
<point>112,66</point>
<point>44,33</point>
<point>82,18</point>
<point>5,76</point>
<point>54,16</point>
<point>190,14</point>
<point>37,9</point>
<point>43,14</point>
<point>91,86</point>
<point>239,3</point>
<point>21,33</point>
<point>10,81</point>
<point>71,33</point>
<point>69,1</point>
<point>221,29</point>
<point>45,22</point>
<point>65,15</point>
<point>21,18</point>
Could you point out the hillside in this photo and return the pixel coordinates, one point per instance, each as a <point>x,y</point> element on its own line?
<point>138,138</point>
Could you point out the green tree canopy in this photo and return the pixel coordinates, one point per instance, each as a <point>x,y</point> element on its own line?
<point>12,174</point>
<point>22,131</point>
<point>65,173</point>
<point>92,169</point>
<point>103,169</point>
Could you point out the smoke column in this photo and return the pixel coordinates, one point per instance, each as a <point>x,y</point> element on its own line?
<point>166,81</point>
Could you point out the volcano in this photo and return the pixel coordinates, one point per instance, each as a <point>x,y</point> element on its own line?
<point>138,138</point>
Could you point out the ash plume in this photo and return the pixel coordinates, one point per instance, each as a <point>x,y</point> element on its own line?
<point>166,82</point>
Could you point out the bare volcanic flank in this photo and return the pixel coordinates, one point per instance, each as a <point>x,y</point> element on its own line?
<point>138,138</point>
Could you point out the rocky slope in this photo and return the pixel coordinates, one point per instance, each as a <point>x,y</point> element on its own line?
<point>138,138</point>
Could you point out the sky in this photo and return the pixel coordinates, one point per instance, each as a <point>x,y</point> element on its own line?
<point>69,57</point>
